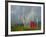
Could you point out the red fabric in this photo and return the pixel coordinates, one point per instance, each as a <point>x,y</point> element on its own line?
<point>33,24</point>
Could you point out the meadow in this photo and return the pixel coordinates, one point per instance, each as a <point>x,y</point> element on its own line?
<point>24,28</point>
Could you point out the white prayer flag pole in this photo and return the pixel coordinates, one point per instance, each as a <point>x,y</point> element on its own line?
<point>23,16</point>
<point>37,22</point>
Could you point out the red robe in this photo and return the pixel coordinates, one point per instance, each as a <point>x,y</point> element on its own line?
<point>33,24</point>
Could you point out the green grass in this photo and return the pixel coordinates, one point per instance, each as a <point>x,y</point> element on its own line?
<point>22,28</point>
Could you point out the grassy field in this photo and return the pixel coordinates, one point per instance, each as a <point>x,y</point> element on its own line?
<point>24,28</point>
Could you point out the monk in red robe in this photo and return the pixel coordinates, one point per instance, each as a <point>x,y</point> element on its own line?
<point>33,24</point>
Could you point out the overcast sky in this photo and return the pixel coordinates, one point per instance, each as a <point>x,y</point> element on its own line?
<point>26,10</point>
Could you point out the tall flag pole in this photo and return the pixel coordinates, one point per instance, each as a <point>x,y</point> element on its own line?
<point>37,22</point>
<point>23,16</point>
<point>33,14</point>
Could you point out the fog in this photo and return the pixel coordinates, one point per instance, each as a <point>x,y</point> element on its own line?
<point>26,11</point>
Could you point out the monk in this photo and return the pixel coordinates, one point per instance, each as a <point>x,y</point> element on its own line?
<point>33,24</point>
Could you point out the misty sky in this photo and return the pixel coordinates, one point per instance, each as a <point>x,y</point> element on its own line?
<point>24,10</point>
